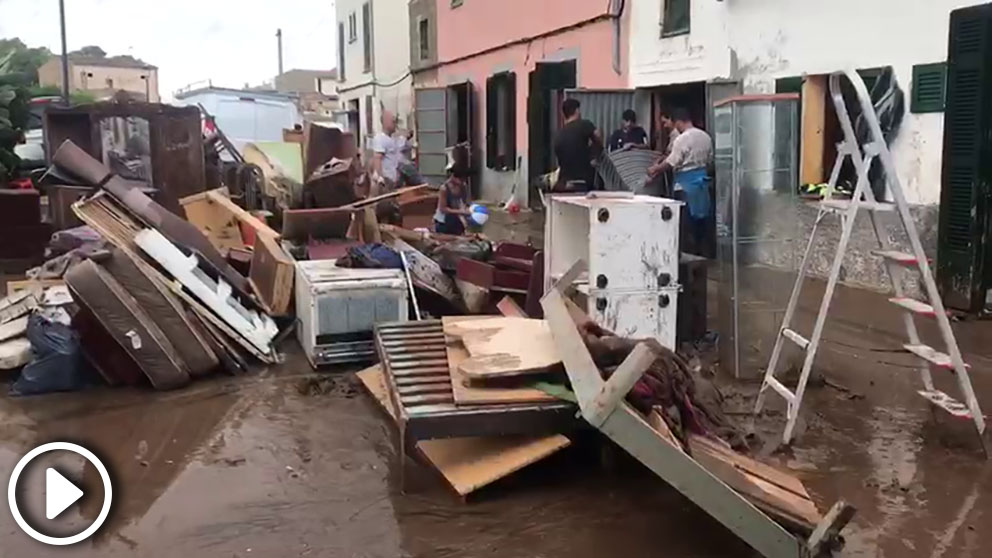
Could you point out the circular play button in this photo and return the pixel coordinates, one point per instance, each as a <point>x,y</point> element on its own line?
<point>56,491</point>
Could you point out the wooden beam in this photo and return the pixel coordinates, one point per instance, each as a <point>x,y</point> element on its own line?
<point>619,384</point>
<point>813,126</point>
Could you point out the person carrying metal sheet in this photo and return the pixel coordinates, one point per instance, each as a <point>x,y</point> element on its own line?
<point>690,157</point>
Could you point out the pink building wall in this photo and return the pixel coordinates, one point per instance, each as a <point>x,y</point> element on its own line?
<point>473,38</point>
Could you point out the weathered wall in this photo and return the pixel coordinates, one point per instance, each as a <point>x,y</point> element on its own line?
<point>80,79</point>
<point>389,81</point>
<point>759,41</point>
<point>474,52</point>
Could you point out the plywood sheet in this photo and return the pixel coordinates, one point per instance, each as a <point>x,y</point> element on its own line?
<point>466,394</point>
<point>469,464</point>
<point>503,347</point>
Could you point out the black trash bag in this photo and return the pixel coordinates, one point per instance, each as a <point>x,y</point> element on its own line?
<point>58,363</point>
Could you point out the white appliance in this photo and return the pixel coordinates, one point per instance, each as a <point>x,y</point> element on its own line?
<point>631,245</point>
<point>338,307</point>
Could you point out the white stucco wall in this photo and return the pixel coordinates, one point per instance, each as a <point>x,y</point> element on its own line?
<point>758,41</point>
<point>389,82</point>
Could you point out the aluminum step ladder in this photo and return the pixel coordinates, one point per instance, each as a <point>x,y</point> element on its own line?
<point>863,199</point>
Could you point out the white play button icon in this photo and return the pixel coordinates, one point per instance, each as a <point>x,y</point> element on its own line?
<point>59,493</point>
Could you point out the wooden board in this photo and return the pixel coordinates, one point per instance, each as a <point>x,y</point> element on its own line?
<point>466,394</point>
<point>468,464</point>
<point>814,124</point>
<point>271,275</point>
<point>505,347</point>
<point>775,492</point>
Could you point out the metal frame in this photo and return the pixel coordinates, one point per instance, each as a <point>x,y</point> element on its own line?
<point>863,198</point>
<point>602,405</point>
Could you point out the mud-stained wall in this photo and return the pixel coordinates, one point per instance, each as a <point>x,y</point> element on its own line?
<point>759,41</point>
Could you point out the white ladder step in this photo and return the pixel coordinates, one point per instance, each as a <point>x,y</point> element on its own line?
<point>933,356</point>
<point>781,389</point>
<point>915,306</point>
<point>796,338</point>
<point>895,256</point>
<point>841,206</point>
<point>946,402</point>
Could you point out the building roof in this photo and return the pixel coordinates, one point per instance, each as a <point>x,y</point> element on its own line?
<point>109,62</point>
<point>187,93</point>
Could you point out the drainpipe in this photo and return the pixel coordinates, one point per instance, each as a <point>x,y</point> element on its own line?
<point>616,12</point>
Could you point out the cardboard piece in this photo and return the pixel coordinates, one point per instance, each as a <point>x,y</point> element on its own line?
<point>468,464</point>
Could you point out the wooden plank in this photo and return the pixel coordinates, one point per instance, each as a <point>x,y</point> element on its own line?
<point>814,124</point>
<point>778,500</point>
<point>505,347</point>
<point>384,197</point>
<point>509,308</point>
<point>271,275</point>
<point>468,464</point>
<point>467,394</point>
<point>753,467</point>
<point>220,227</point>
<point>29,284</point>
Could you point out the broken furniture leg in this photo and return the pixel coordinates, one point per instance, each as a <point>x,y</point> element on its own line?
<point>602,405</point>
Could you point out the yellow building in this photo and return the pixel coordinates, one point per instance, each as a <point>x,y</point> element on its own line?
<point>103,76</point>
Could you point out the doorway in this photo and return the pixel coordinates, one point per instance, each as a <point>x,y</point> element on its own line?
<point>546,87</point>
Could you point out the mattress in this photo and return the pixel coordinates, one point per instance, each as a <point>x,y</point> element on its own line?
<point>129,324</point>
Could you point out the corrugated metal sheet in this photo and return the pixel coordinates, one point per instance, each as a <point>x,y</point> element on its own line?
<point>604,108</point>
<point>627,170</point>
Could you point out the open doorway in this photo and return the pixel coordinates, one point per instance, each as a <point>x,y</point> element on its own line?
<point>547,84</point>
<point>664,99</point>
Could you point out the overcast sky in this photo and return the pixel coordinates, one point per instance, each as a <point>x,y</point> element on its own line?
<point>231,42</point>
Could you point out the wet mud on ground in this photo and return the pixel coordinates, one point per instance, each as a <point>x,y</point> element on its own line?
<point>286,463</point>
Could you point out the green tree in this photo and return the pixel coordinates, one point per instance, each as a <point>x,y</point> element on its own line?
<point>13,115</point>
<point>23,64</point>
<point>91,51</point>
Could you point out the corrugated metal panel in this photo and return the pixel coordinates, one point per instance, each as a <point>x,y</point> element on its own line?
<point>604,108</point>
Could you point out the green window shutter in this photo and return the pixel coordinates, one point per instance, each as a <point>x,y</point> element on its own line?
<point>789,85</point>
<point>929,87</point>
<point>675,18</point>
<point>965,184</point>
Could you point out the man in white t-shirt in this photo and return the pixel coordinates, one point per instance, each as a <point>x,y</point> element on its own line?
<point>387,150</point>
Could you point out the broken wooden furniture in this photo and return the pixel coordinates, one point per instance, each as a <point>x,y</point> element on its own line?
<point>338,307</point>
<point>415,363</point>
<point>120,228</point>
<point>173,162</point>
<point>734,492</point>
<point>631,246</point>
<point>218,295</point>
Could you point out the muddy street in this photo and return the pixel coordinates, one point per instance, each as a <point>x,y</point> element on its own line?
<point>288,463</point>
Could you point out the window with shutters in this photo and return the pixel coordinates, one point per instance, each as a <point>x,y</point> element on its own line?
<point>929,87</point>
<point>367,35</point>
<point>674,17</point>
<point>352,27</point>
<point>501,121</point>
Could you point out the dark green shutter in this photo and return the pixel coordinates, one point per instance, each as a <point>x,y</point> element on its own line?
<point>929,87</point>
<point>789,85</point>
<point>492,130</point>
<point>965,183</point>
<point>511,116</point>
<point>676,18</point>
